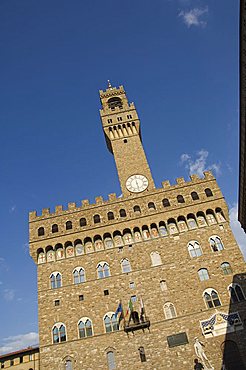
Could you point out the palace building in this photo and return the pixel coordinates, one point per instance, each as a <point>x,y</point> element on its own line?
<point>151,280</point>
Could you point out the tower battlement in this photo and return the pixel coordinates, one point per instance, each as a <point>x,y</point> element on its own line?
<point>112,198</point>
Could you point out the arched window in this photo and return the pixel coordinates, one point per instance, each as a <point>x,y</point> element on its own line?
<point>191,221</point>
<point>110,322</point>
<point>111,360</point>
<point>41,256</point>
<point>96,219</point>
<point>226,268</point>
<point>182,223</point>
<point>78,275</point>
<point>125,265</point>
<point>169,310</point>
<point>110,216</point>
<point>166,202</point>
<point>54,228</point>
<point>172,227</point>
<point>69,225</point>
<point>85,327</point>
<point>211,298</point>
<point>114,102</point>
<point>236,293</point>
<point>145,232</point>
<point>122,213</point>
<point>216,243</point>
<point>68,364</point>
<point>208,192</point>
<point>155,258</point>
<point>55,280</point>
<point>40,231</point>
<point>82,222</point>
<point>154,231</point>
<point>203,274</point>
<point>137,209</point>
<point>210,217</point>
<point>194,249</point>
<point>108,241</point>
<point>137,235</point>
<point>151,205</point>
<point>180,199</point>
<point>163,285</point>
<point>201,220</point>
<point>127,236</point>
<point>103,270</point>
<point>79,248</point>
<point>194,195</point>
<point>59,333</point>
<point>162,229</point>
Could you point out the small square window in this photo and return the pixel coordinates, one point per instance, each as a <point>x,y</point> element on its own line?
<point>57,302</point>
<point>31,357</point>
<point>120,249</point>
<point>81,297</point>
<point>119,118</point>
<point>21,360</point>
<point>132,285</point>
<point>134,298</point>
<point>11,362</point>
<point>110,120</point>
<point>130,247</point>
<point>106,292</point>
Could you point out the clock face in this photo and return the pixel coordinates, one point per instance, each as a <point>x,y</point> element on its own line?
<point>137,183</point>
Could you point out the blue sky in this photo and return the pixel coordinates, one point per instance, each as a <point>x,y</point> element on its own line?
<point>178,61</point>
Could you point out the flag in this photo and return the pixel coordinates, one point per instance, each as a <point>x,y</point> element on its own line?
<point>142,310</point>
<point>129,310</point>
<point>119,309</point>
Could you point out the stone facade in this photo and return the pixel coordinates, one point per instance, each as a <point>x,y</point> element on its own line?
<point>164,237</point>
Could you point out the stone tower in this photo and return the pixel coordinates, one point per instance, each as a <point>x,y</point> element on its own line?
<point>139,282</point>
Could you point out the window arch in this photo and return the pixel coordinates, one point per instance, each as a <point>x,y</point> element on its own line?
<point>191,221</point>
<point>201,220</point>
<point>96,219</point>
<point>85,327</point>
<point>125,265</point>
<point>82,222</point>
<point>122,213</point>
<point>78,275</point>
<point>151,205</point>
<point>114,102</point>
<point>172,227</point>
<point>68,364</point>
<point>155,258</point>
<point>236,293</point>
<point>165,202</point>
<point>136,209</point>
<point>180,199</point>
<point>208,192</point>
<point>55,280</point>
<point>226,268</point>
<point>54,228</point>
<point>40,231</point>
<point>163,285</point>
<point>111,360</point>
<point>220,215</point>
<point>69,225</point>
<point>110,216</point>
<point>110,322</point>
<point>210,217</point>
<point>41,256</point>
<point>182,224</point>
<point>203,274</point>
<point>162,229</point>
<point>216,243</point>
<point>103,270</point>
<point>59,333</point>
<point>169,310</point>
<point>194,195</point>
<point>194,249</point>
<point>211,298</point>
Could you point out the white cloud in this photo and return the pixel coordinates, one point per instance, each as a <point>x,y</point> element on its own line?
<point>193,17</point>
<point>14,343</point>
<point>8,295</point>
<point>238,232</point>
<point>199,165</point>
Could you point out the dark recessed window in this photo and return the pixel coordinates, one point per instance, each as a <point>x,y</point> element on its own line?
<point>57,302</point>
<point>166,202</point>
<point>110,216</point>
<point>151,205</point>
<point>194,195</point>
<point>180,199</point>
<point>122,213</point>
<point>142,354</point>
<point>208,192</point>
<point>21,360</point>
<point>69,225</point>
<point>110,120</point>
<point>129,116</point>
<point>96,219</point>
<point>119,118</point>
<point>81,297</point>
<point>82,221</point>
<point>11,362</point>
<point>55,228</point>
<point>125,141</point>
<point>106,292</point>
<point>40,231</point>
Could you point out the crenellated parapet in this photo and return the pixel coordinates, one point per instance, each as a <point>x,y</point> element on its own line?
<point>167,187</point>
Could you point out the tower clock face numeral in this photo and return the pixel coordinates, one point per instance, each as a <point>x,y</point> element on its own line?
<point>137,183</point>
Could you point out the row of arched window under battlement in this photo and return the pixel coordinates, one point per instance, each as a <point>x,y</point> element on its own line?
<point>130,236</point>
<point>122,213</point>
<point>110,322</point>
<point>103,271</point>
